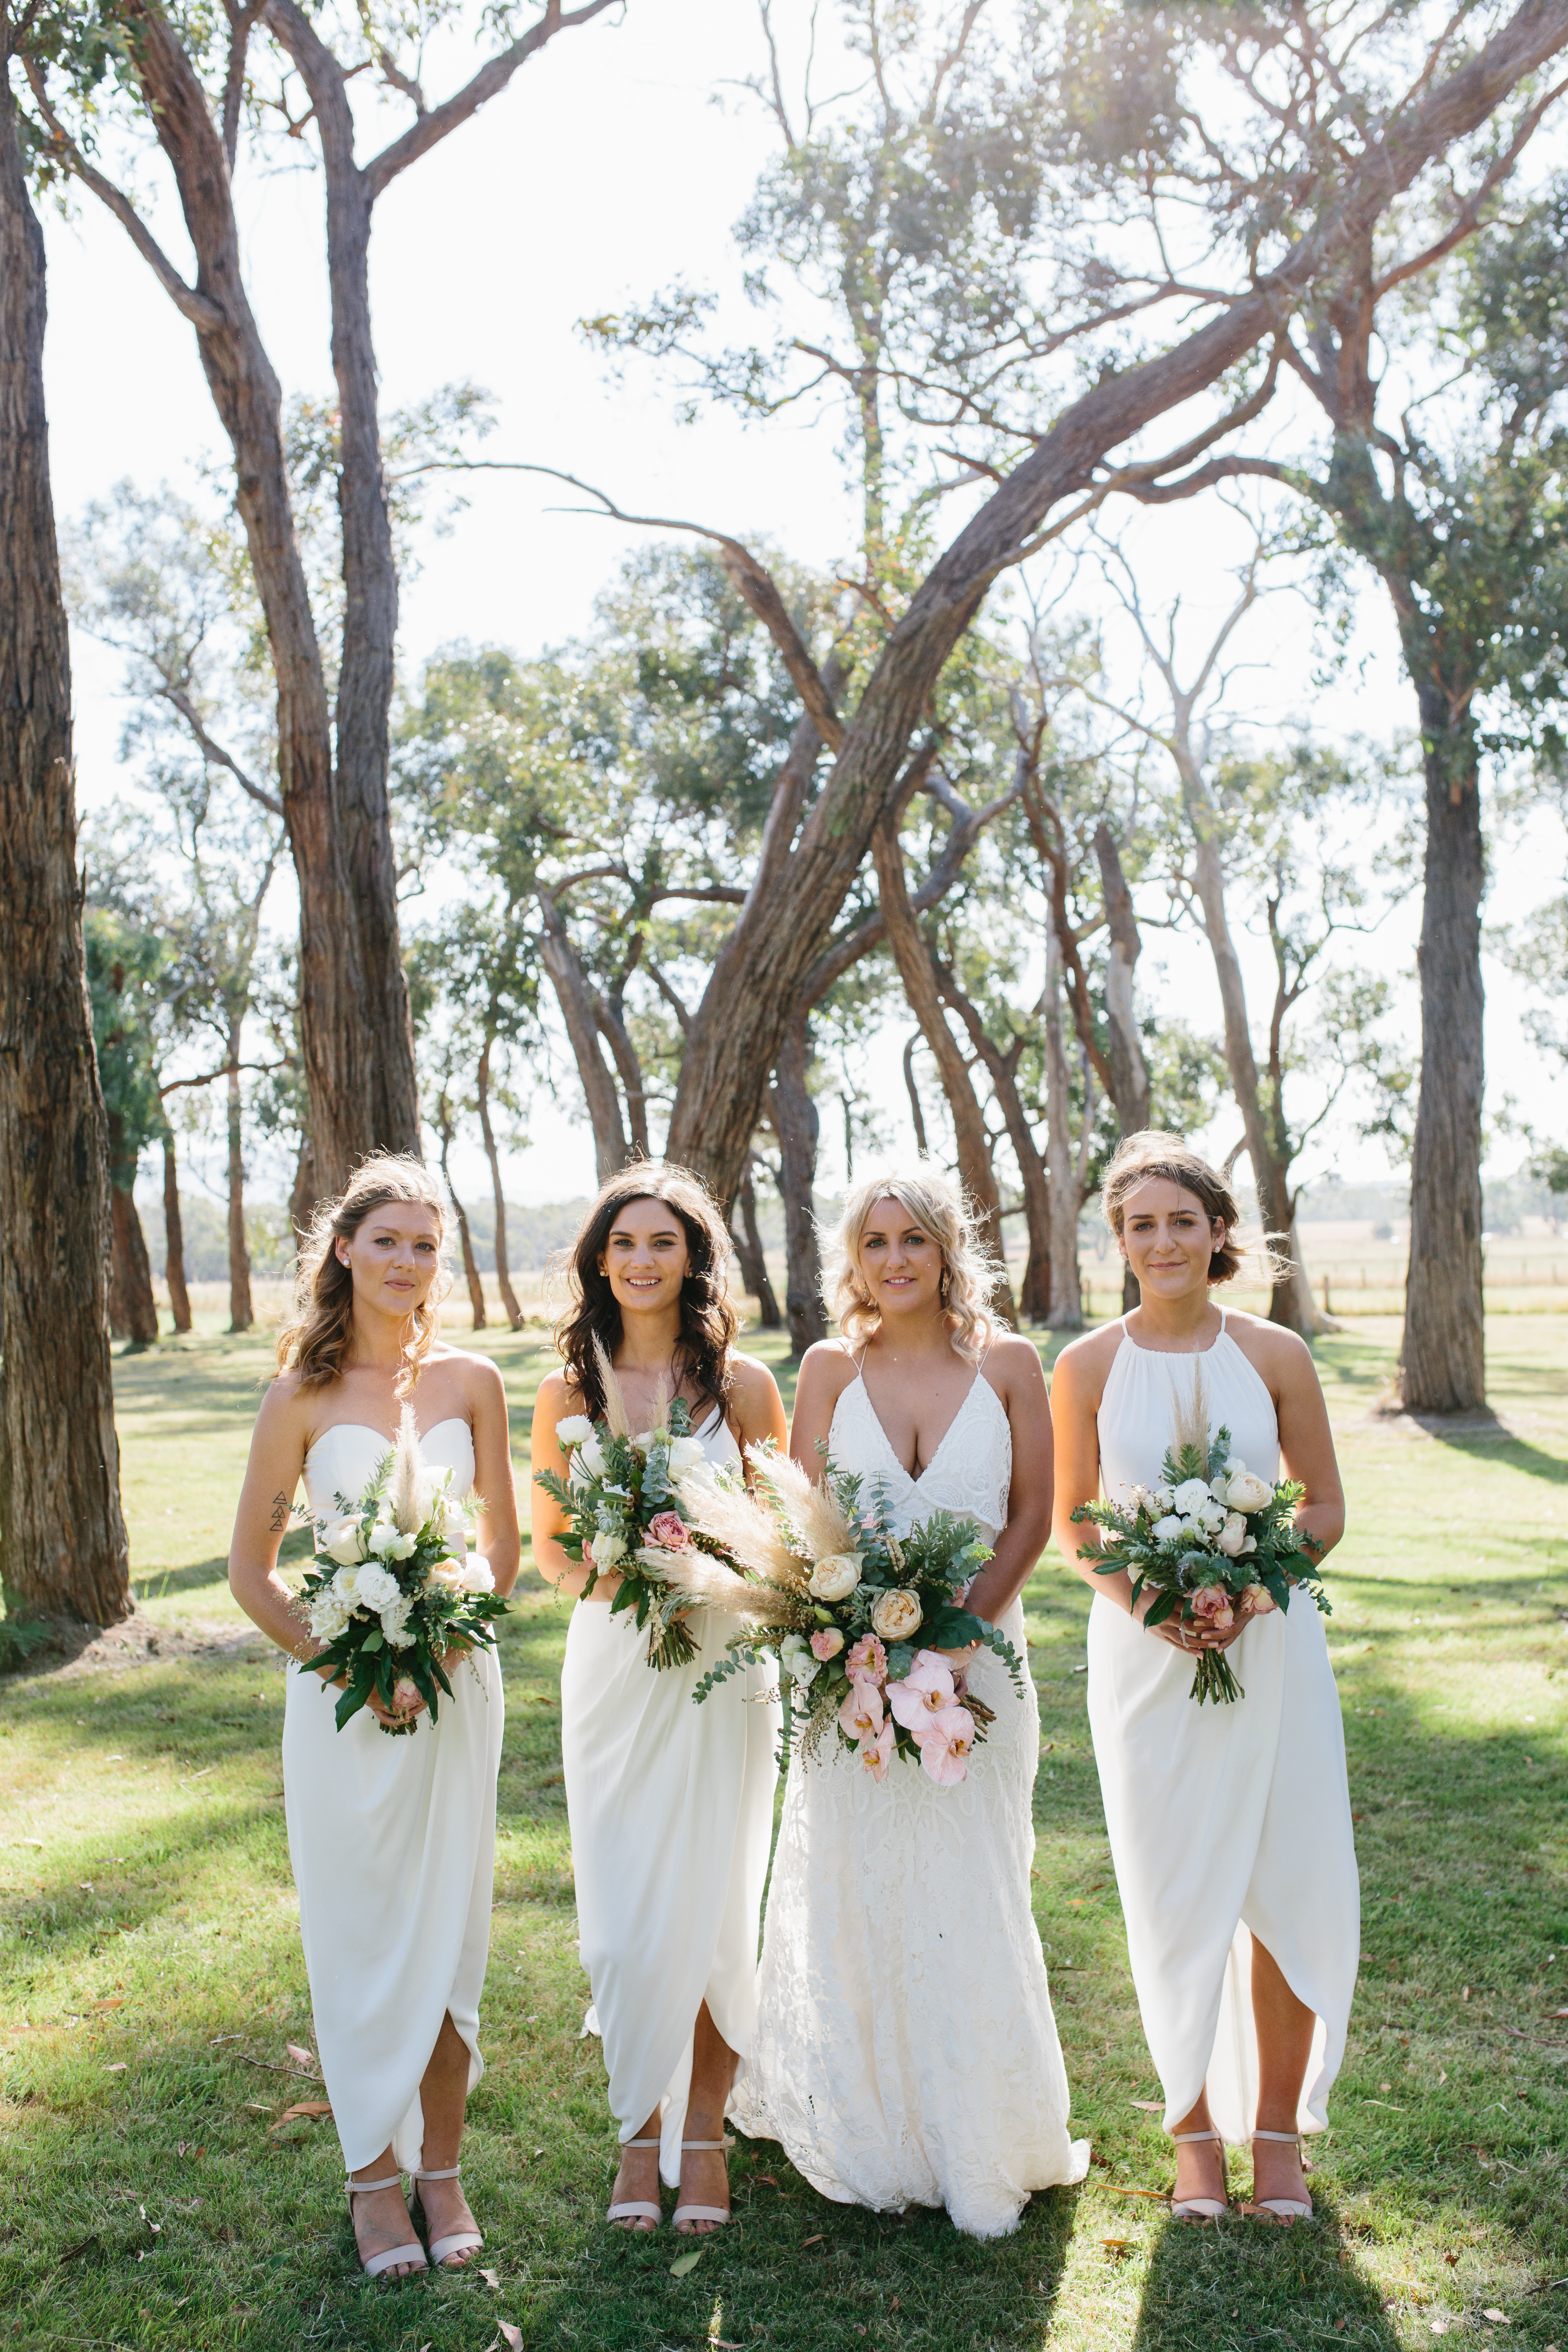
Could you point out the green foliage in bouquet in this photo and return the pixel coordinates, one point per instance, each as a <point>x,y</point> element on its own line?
<point>1210,1539</point>
<point>394,1591</point>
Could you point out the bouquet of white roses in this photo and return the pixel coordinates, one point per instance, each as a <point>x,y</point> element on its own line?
<point>623,1515</point>
<point>395,1590</point>
<point>826,1583</point>
<point>1209,1538</point>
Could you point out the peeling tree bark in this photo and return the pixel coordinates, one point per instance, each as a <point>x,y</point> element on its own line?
<point>796,1126</point>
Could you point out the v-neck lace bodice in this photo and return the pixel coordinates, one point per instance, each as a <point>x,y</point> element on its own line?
<point>971,1472</point>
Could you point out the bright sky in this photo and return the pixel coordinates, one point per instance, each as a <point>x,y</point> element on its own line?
<point>615,166</point>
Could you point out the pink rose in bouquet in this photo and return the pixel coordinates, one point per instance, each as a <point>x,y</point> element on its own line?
<point>826,1644</point>
<point>670,1532</point>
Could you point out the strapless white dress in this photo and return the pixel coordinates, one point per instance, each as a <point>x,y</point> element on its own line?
<point>906,2051</point>
<point>671,1808</point>
<point>1222,1819</point>
<point>392,1845</point>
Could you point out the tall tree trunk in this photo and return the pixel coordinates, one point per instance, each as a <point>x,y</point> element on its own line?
<point>1442,1362</point>
<point>62,1533</point>
<point>174,1238</point>
<point>1066,1310</point>
<point>1129,1089</point>
<point>1035,1300</point>
<point>580,1013</point>
<point>796,1125</point>
<point>306,1190</point>
<point>355,1035</point>
<point>975,1173</point>
<point>466,1240</point>
<point>917,1115</point>
<point>132,1309</point>
<point>753,1264</point>
<point>486,1131</point>
<point>241,1315</point>
<point>619,1038</point>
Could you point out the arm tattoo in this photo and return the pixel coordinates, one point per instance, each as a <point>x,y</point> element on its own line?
<point>280,1514</point>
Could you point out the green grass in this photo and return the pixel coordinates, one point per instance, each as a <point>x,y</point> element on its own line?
<point>153,1976</point>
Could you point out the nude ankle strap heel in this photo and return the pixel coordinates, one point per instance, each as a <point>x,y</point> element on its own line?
<point>702,2212</point>
<point>414,2255</point>
<point>1199,2209</point>
<point>634,2210</point>
<point>456,2241</point>
<point>1283,2209</point>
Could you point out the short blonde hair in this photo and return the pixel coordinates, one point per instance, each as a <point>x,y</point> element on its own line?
<point>934,1202</point>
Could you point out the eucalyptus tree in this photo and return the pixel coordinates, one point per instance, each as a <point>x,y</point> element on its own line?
<point>62,1532</point>
<point>1227,165</point>
<point>125,979</point>
<point>223,95</point>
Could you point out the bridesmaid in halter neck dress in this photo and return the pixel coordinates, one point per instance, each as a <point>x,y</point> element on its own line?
<point>672,1805</point>
<point>1230,1825</point>
<point>906,2052</point>
<point>392,1839</point>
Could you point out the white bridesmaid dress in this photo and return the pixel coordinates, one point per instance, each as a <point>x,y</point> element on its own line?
<point>671,1809</point>
<point>906,2050</point>
<point>392,1845</point>
<point>1222,1819</point>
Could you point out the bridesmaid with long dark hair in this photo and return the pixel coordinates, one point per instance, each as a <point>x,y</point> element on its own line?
<point>670,1804</point>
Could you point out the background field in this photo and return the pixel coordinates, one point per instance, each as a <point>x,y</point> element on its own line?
<point>152,1980</point>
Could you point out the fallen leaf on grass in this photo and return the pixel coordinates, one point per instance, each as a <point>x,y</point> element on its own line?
<point>117,2003</point>
<point>258,2106</point>
<point>686,2262</point>
<point>119,2067</point>
<point>1497,2317</point>
<point>1560,2012</point>
<point>510,2336</point>
<point>1451,2259</point>
<point>817,2240</point>
<point>765,2179</point>
<point>303,2107</point>
<point>1151,2106</point>
<point>300,2057</point>
<point>39,1844</point>
<point>491,2278</point>
<point>1162,2194</point>
<point>1119,2246</point>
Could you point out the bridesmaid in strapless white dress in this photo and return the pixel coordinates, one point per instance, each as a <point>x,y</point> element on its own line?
<point>392,1839</point>
<point>1229,1825</point>
<point>906,2051</point>
<point>671,1804</point>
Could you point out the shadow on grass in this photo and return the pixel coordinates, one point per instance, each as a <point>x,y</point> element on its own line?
<point>1511,1453</point>
<point>1222,2285</point>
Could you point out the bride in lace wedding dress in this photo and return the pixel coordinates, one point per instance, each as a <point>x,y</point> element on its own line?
<point>905,2052</point>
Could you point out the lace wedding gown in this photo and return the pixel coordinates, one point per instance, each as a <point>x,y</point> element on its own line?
<point>393,1843</point>
<point>671,1808</point>
<point>906,2052</point>
<point>1222,1819</point>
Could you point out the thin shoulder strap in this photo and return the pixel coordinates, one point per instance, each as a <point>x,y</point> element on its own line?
<point>1222,1320</point>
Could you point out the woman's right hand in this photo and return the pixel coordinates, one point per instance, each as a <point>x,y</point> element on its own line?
<point>1189,1638</point>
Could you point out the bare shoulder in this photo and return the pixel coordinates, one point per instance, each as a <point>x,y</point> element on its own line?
<point>1282,1357</point>
<point>752,1380</point>
<point>556,1398</point>
<point>827,1368</point>
<point>285,1404</point>
<point>1010,1362</point>
<point>1084,1365</point>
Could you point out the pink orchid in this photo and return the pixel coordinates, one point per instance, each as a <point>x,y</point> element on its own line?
<point>1211,1603</point>
<point>944,1750</point>
<point>876,1754</point>
<point>670,1532</point>
<point>826,1644</point>
<point>924,1692</point>
<point>1258,1599</point>
<point>866,1656</point>
<point>861,1712</point>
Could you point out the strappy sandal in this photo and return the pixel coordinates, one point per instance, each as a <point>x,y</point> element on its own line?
<point>636,2210</point>
<point>456,2241</point>
<point>702,2212</point>
<point>1199,2209</point>
<point>1284,2209</point>
<point>412,2256</point>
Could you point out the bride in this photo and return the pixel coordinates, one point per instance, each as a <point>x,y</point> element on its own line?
<point>905,2051</point>
<point>392,1841</point>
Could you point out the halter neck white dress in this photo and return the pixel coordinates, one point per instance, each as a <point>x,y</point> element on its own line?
<point>1221,1818</point>
<point>671,1808</point>
<point>906,2051</point>
<point>392,1845</point>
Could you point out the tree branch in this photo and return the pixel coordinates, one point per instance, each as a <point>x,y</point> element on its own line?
<point>213,752</point>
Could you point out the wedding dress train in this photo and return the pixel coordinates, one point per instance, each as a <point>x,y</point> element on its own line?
<point>906,2052</point>
<point>393,1845</point>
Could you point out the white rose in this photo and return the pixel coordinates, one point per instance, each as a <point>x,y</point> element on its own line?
<point>1247,1492</point>
<point>834,1577</point>
<point>345,1588</point>
<point>1231,1536</point>
<point>376,1589</point>
<point>328,1615</point>
<point>478,1575</point>
<point>389,1543</point>
<point>1250,1544</point>
<point>1192,1528</point>
<point>1167,1529</point>
<point>592,1456</point>
<point>340,1541</point>
<point>1212,1515</point>
<point>798,1661</point>
<point>685,1453</point>
<point>897,1614</point>
<point>607,1548</point>
<point>1162,1496</point>
<point>576,1430</point>
<point>1190,1497</point>
<point>394,1624</point>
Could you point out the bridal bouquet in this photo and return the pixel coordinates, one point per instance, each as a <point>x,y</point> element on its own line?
<point>823,1580</point>
<point>394,1590</point>
<point>623,1515</point>
<point>1210,1538</point>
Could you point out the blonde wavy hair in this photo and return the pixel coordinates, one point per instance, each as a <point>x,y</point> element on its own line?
<point>934,1202</point>
<point>314,1341</point>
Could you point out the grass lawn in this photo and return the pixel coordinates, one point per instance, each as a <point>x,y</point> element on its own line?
<point>154,2195</point>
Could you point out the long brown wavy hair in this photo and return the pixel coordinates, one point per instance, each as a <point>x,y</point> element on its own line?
<point>709,1323</point>
<point>314,1342</point>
